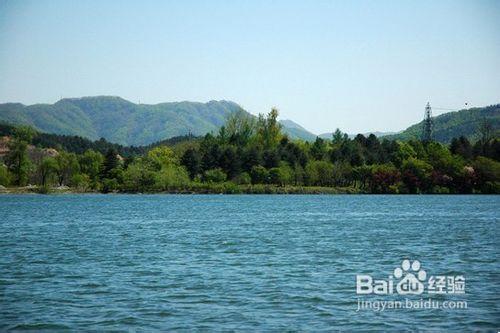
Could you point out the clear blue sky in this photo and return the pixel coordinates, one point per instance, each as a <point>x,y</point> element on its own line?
<point>357,65</point>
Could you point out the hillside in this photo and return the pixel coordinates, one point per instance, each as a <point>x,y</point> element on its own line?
<point>118,120</point>
<point>296,131</point>
<point>123,122</point>
<point>454,124</point>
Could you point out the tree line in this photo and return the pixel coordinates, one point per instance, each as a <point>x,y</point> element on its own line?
<point>248,155</point>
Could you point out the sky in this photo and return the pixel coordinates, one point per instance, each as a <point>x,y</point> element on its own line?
<point>355,65</point>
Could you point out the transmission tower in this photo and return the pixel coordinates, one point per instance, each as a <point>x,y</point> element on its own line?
<point>427,130</point>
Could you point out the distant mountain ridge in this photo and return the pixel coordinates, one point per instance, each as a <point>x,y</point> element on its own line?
<point>126,123</point>
<point>118,120</point>
<point>294,130</point>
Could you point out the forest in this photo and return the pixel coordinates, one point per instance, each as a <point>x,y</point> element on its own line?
<point>253,155</point>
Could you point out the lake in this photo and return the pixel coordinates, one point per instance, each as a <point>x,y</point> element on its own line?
<point>242,262</point>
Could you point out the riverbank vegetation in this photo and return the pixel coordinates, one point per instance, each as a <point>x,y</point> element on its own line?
<point>250,155</point>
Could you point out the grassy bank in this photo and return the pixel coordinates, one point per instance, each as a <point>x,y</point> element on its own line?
<point>198,188</point>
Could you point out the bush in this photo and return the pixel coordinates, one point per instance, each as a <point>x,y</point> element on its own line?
<point>259,175</point>
<point>44,189</point>
<point>283,175</point>
<point>5,176</point>
<point>109,185</point>
<point>81,182</point>
<point>214,176</point>
<point>243,179</point>
<point>171,177</point>
<point>319,173</point>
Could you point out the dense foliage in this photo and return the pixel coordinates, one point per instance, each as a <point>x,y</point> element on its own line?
<point>253,155</point>
<point>78,145</point>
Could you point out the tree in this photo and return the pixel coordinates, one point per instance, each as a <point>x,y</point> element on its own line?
<point>17,159</point>
<point>338,137</point>
<point>214,176</point>
<point>486,130</point>
<point>191,159</point>
<point>5,176</point>
<point>243,179</point>
<point>319,149</point>
<point>403,152</point>
<point>67,166</point>
<point>416,175</point>
<point>240,128</point>
<point>91,163</point>
<point>138,177</point>
<point>160,157</point>
<point>362,174</point>
<point>269,129</point>
<point>383,178</point>
<point>110,162</point>
<point>342,174</point>
<point>171,177</point>
<point>259,175</point>
<point>282,175</point>
<point>319,173</point>
<point>488,173</point>
<point>462,147</point>
<point>230,161</point>
<point>47,168</point>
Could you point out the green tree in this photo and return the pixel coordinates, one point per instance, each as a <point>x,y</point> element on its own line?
<point>319,173</point>
<point>462,147</point>
<point>47,168</point>
<point>488,173</point>
<point>416,175</point>
<point>282,175</point>
<point>171,177</point>
<point>214,176</point>
<point>17,159</point>
<point>138,177</point>
<point>91,163</point>
<point>259,175</point>
<point>80,181</point>
<point>111,162</point>
<point>319,149</point>
<point>67,166</point>
<point>239,128</point>
<point>384,179</point>
<point>191,159</point>
<point>243,179</point>
<point>5,176</point>
<point>269,129</point>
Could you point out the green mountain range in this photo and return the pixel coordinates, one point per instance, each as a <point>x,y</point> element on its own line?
<point>123,122</point>
<point>454,124</point>
<point>126,123</point>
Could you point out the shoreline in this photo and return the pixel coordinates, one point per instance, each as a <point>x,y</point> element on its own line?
<point>220,189</point>
<point>200,189</point>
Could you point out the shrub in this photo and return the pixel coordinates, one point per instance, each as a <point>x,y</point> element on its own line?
<point>243,179</point>
<point>214,176</point>
<point>259,175</point>
<point>5,176</point>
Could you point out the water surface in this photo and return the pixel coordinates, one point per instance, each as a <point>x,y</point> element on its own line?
<point>244,262</point>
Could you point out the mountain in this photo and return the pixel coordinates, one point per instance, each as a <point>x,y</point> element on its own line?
<point>295,131</point>
<point>454,124</point>
<point>123,122</point>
